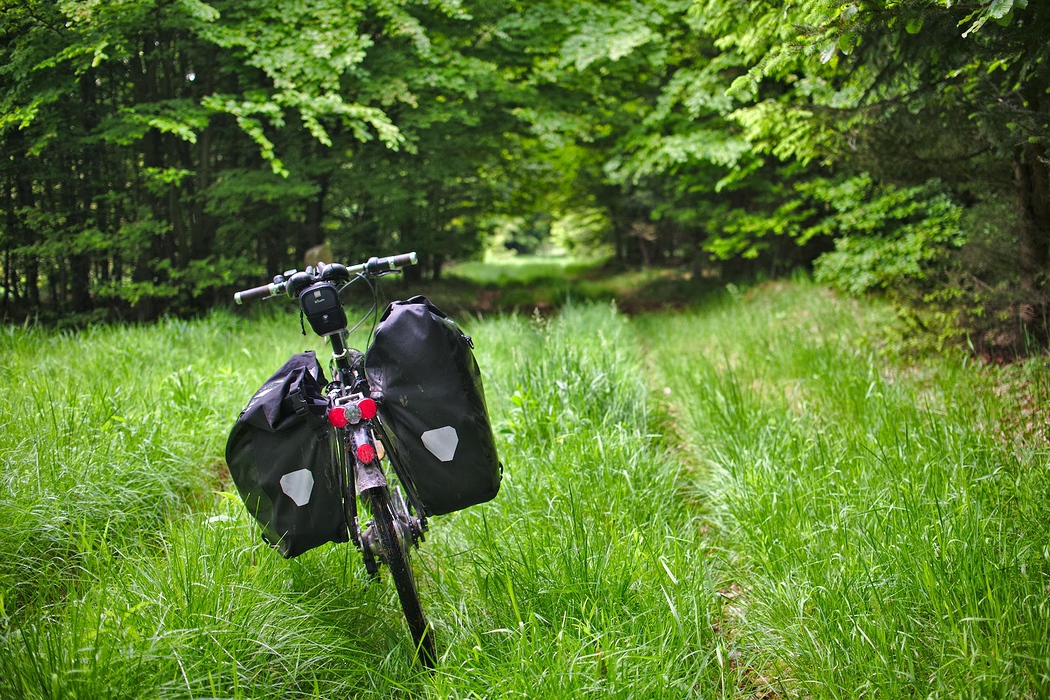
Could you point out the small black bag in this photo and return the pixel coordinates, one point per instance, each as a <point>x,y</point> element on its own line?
<point>422,370</point>
<point>280,456</point>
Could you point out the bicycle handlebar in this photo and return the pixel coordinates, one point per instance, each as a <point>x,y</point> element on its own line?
<point>335,271</point>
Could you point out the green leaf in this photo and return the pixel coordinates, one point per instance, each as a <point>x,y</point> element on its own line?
<point>998,9</point>
<point>994,10</point>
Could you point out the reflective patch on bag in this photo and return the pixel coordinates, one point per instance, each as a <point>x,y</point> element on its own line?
<point>298,486</point>
<point>442,442</point>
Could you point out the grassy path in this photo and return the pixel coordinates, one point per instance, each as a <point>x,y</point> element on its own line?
<point>803,515</point>
<point>127,569</point>
<point>883,528</point>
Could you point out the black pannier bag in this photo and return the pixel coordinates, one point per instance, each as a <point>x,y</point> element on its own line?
<point>280,456</point>
<point>422,371</point>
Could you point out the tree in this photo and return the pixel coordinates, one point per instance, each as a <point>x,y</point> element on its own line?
<point>909,90</point>
<point>451,103</point>
<point>127,128</point>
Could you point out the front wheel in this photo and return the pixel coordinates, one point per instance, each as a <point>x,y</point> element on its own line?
<point>394,554</point>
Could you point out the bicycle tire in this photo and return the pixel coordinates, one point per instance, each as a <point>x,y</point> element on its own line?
<point>395,556</point>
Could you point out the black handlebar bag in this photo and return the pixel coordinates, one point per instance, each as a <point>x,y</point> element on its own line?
<point>422,371</point>
<point>280,457</point>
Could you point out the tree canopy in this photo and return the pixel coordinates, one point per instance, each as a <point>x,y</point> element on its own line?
<point>158,152</point>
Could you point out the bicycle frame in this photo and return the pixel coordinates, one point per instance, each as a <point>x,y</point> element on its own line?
<point>348,385</point>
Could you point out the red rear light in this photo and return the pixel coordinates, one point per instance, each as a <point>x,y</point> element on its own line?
<point>337,417</point>
<point>368,409</point>
<point>366,453</point>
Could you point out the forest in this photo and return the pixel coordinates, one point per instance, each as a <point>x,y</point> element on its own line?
<point>158,154</point>
<point>803,462</point>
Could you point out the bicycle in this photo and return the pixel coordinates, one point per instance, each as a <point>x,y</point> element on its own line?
<point>396,525</point>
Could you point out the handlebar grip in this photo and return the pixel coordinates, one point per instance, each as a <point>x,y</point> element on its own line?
<point>377,266</point>
<point>399,261</point>
<point>263,292</point>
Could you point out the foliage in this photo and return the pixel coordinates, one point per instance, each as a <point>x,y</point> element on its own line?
<point>156,154</point>
<point>898,95</point>
<point>153,126</point>
<point>884,237</point>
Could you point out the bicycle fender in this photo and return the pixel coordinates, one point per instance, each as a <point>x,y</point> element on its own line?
<point>367,475</point>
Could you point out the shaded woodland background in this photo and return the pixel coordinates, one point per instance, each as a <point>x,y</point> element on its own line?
<point>157,154</point>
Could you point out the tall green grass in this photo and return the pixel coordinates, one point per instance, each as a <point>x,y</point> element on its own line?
<point>130,570</point>
<point>587,576</point>
<point>806,514</point>
<point>886,525</point>
<point>127,569</point>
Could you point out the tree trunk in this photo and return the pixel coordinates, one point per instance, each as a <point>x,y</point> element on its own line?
<point>80,283</point>
<point>9,282</point>
<point>203,226</point>
<point>32,282</point>
<point>312,232</point>
<point>1033,202</point>
<point>10,246</point>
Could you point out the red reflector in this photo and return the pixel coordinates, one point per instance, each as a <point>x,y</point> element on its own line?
<point>337,417</point>
<point>366,453</point>
<point>368,409</point>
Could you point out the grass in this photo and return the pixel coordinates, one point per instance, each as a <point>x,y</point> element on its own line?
<point>524,269</point>
<point>157,584</point>
<point>528,282</point>
<point>887,526</point>
<point>804,514</point>
<point>572,571</point>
